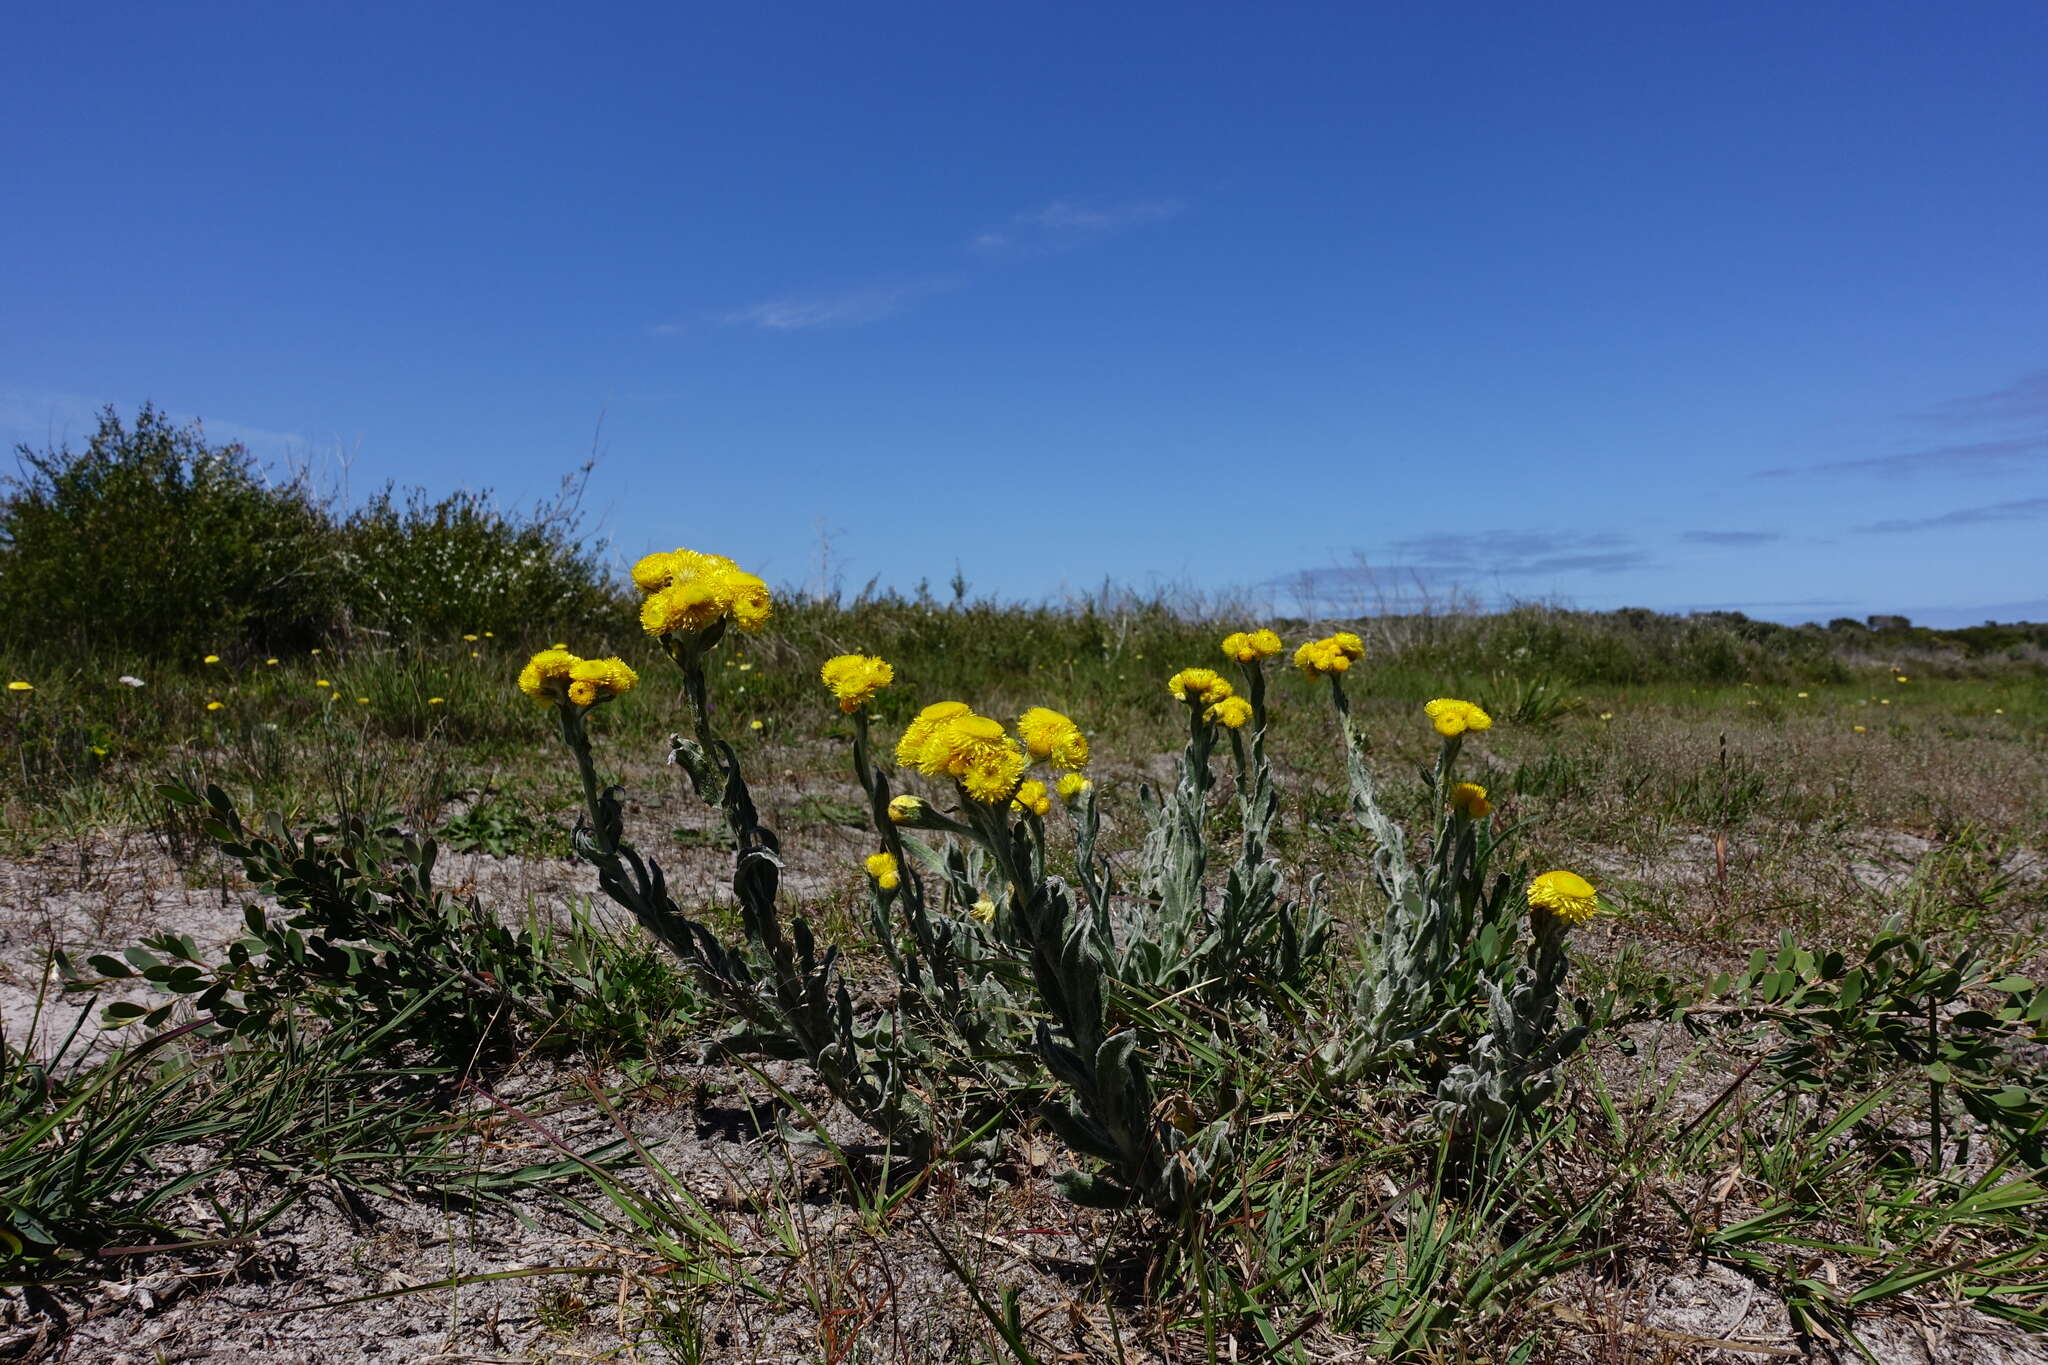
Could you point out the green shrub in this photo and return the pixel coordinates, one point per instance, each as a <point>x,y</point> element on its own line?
<point>153,540</point>
<point>459,564</point>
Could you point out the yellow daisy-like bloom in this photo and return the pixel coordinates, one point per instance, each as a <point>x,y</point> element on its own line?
<point>1454,717</point>
<point>757,725</point>
<point>1072,785</point>
<point>1245,646</point>
<point>1331,654</point>
<point>437,701</point>
<point>1469,800</point>
<point>322,682</point>
<point>974,751</point>
<point>547,675</point>
<point>905,810</point>
<point>19,686</point>
<point>270,663</point>
<point>651,573</point>
<point>914,739</point>
<point>1566,895</point>
<point>855,678</point>
<point>594,680</point>
<point>1231,712</point>
<point>215,705</point>
<point>470,638</point>
<point>983,910</point>
<point>1049,735</point>
<point>211,659</point>
<point>362,701</point>
<point>690,592</point>
<point>1199,686</point>
<point>1032,797</point>
<point>882,867</point>
<point>685,608</point>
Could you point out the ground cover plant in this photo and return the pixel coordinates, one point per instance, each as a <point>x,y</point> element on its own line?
<point>726,975</point>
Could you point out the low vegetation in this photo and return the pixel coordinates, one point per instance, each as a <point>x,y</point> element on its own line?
<point>1036,984</point>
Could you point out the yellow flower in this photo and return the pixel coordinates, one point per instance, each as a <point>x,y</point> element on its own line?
<point>437,701</point>
<point>687,607</point>
<point>270,663</point>
<point>19,686</point>
<point>215,705</point>
<point>1900,677</point>
<point>594,680</point>
<point>1859,729</point>
<point>652,572</point>
<point>1331,654</point>
<point>973,750</point>
<point>211,659</point>
<point>882,867</point>
<point>1607,715</point>
<point>1032,797</point>
<point>1072,785</point>
<point>757,725</point>
<point>983,910</point>
<point>1469,800</point>
<point>695,591</point>
<point>905,810</point>
<point>1199,686</point>
<point>920,731</point>
<point>1802,694</point>
<point>546,676</point>
<point>1454,717</point>
<point>1049,735</point>
<point>314,652</point>
<point>470,638</point>
<point>322,682</point>
<point>1231,712</point>
<point>1565,894</point>
<point>1247,646</point>
<point>488,635</point>
<point>855,678</point>
<point>362,701</point>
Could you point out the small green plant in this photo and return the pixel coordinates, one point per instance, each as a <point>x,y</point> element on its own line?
<point>502,827</point>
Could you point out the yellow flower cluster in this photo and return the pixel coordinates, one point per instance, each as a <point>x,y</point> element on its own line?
<point>882,867</point>
<point>1566,895</point>
<point>1051,736</point>
<point>1032,797</point>
<point>948,740</point>
<point>1250,646</point>
<point>19,686</point>
<point>1232,713</point>
<point>1469,800</point>
<point>1454,717</point>
<point>1199,686</point>
<point>688,592</point>
<point>1331,654</point>
<point>855,678</point>
<point>1071,786</point>
<point>554,676</point>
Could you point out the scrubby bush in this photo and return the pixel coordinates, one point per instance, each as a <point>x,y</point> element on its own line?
<point>152,539</point>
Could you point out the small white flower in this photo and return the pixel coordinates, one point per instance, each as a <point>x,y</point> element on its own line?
<point>128,681</point>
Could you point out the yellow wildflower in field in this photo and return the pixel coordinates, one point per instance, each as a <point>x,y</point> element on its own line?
<point>594,680</point>
<point>1231,713</point>
<point>1454,717</point>
<point>1331,654</point>
<point>471,639</point>
<point>699,600</point>
<point>437,701</point>
<point>1199,686</point>
<point>1072,785</point>
<point>983,910</point>
<point>920,731</point>
<point>1566,895</point>
<point>19,686</point>
<point>973,750</point>
<point>322,682</point>
<point>215,705</point>
<point>1248,646</point>
<point>882,867</point>
<point>1469,800</point>
<point>270,663</point>
<point>757,725</point>
<point>1858,729</point>
<point>546,677</point>
<point>1051,736</point>
<point>906,810</point>
<point>855,678</point>
<point>1032,797</point>
<point>211,659</point>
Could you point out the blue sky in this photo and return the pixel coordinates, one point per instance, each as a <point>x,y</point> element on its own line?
<point>1619,304</point>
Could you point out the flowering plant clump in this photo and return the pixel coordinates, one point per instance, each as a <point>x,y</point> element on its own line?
<point>688,593</point>
<point>1453,717</point>
<point>949,740</point>
<point>1250,646</point>
<point>1055,738</point>
<point>1199,686</point>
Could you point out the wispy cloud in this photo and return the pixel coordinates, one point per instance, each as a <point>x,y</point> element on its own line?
<point>1065,224</point>
<point>845,308</point>
<point>2023,400</point>
<point>667,329</point>
<point>40,418</point>
<point>1419,571</point>
<point>2022,403</point>
<point>1733,537</point>
<point>2020,509</point>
